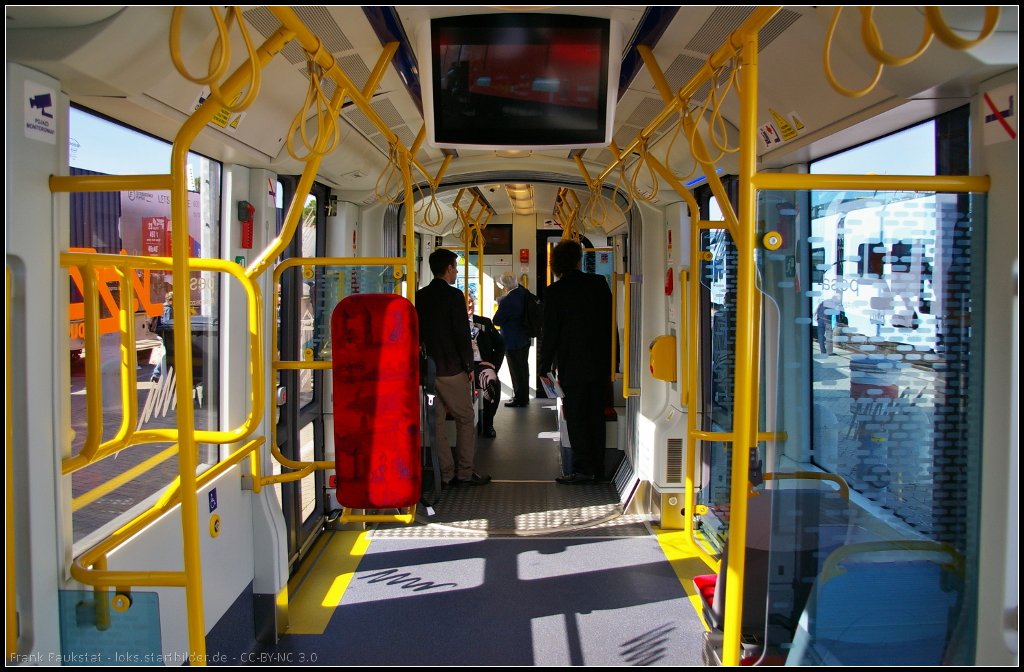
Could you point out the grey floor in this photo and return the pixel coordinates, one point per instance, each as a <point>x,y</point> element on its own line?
<point>427,595</point>
<point>526,445</point>
<point>509,602</point>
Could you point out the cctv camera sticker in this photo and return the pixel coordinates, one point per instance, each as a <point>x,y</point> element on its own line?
<point>40,112</point>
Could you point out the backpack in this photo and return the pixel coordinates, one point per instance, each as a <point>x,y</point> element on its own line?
<point>533,315</point>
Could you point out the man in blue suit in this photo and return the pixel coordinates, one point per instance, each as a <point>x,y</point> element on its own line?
<point>511,317</point>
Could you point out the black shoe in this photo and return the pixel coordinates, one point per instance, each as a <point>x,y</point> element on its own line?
<point>575,479</point>
<point>475,479</point>
<point>488,433</point>
<point>517,404</point>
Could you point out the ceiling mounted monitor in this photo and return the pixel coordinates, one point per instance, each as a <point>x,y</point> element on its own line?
<point>520,81</point>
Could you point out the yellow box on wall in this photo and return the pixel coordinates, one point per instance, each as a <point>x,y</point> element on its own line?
<point>663,358</point>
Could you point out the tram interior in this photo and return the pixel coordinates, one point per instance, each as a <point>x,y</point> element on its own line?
<point>811,419</point>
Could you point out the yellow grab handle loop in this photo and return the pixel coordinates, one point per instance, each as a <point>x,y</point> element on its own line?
<point>849,93</point>
<point>954,41</point>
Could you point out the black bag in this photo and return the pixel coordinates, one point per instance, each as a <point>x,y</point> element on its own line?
<point>533,315</point>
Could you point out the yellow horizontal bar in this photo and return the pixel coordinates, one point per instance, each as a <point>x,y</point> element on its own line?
<point>713,436</point>
<point>804,182</point>
<point>844,488</point>
<point>307,467</point>
<point>831,568</point>
<point>302,366</point>
<point>705,224</point>
<point>730,437</point>
<point>348,517</point>
<point>82,183</point>
<point>119,480</point>
<point>105,578</point>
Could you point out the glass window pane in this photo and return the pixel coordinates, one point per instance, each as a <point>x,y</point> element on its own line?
<point>138,223</point>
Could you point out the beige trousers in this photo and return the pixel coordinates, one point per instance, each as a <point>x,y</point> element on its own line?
<point>456,394</point>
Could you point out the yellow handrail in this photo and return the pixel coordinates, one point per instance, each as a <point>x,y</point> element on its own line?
<point>167,501</point>
<point>684,339</point>
<point>91,183</point>
<point>10,557</point>
<point>348,517</point>
<point>844,488</point>
<point>798,182</point>
<point>615,325</point>
<point>831,568</point>
<point>625,336</point>
<point>125,266</point>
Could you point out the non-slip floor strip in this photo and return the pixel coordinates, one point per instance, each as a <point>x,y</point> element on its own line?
<point>312,605</point>
<point>523,508</point>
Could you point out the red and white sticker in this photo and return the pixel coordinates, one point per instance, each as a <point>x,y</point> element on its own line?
<point>999,111</point>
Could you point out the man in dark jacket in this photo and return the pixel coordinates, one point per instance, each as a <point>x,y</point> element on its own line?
<point>511,317</point>
<point>488,351</point>
<point>577,342</point>
<point>444,332</point>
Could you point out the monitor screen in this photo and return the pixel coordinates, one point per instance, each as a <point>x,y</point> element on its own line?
<point>498,239</point>
<point>520,80</point>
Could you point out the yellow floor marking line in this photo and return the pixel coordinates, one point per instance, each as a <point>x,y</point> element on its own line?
<point>314,602</point>
<point>686,564</point>
<point>314,554</point>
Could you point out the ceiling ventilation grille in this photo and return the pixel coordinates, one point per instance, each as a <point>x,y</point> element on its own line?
<point>779,23</point>
<point>267,24</point>
<point>386,109</point>
<point>647,110</point>
<point>355,115</point>
<point>625,135</point>
<point>405,135</point>
<point>316,18</point>
<point>716,29</point>
<point>323,25</point>
<point>682,70</point>
<point>356,69</point>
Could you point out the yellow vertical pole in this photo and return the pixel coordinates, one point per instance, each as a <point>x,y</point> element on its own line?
<point>188,453</point>
<point>410,226</point>
<point>747,346</point>
<point>615,323</point>
<point>625,335</point>
<point>693,343</point>
<point>12,584</point>
<point>684,339</point>
<point>467,236</point>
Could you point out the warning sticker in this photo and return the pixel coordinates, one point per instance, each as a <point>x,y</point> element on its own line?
<point>40,112</point>
<point>999,112</point>
<point>769,135</point>
<point>785,128</point>
<point>797,124</point>
<point>224,118</point>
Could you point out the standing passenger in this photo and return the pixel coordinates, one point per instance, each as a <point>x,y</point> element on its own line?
<point>444,332</point>
<point>577,342</point>
<point>488,351</point>
<point>511,317</point>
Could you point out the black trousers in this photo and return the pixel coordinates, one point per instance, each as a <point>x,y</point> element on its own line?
<point>584,418</point>
<point>519,368</point>
<point>490,408</point>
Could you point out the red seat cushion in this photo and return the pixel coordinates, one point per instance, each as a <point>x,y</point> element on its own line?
<point>375,350</point>
<point>705,586</point>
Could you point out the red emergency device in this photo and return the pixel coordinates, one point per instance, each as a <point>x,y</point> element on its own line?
<point>375,349</point>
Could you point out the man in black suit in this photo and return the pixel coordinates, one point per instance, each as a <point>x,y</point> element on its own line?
<point>577,342</point>
<point>444,332</point>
